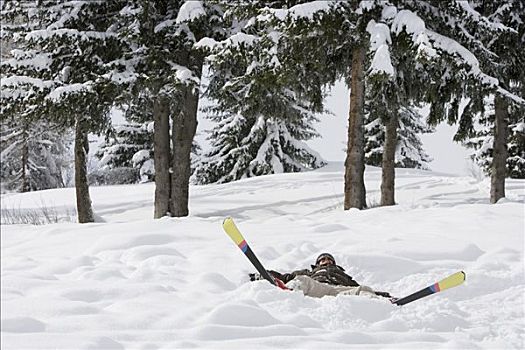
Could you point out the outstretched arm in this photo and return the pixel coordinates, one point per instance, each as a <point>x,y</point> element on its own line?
<point>285,277</point>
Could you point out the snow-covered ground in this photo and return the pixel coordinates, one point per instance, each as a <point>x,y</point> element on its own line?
<point>137,283</point>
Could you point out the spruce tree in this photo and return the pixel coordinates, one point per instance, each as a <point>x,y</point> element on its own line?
<point>488,37</point>
<point>68,48</point>
<point>440,57</point>
<point>394,83</point>
<point>128,147</point>
<point>34,155</point>
<point>263,112</point>
<point>502,114</point>
<point>166,68</point>
<point>410,152</point>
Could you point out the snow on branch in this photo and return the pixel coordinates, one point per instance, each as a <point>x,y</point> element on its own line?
<point>414,25</point>
<point>465,5</point>
<point>379,42</point>
<point>64,91</point>
<point>18,88</point>
<point>428,41</point>
<point>16,81</point>
<point>239,39</point>
<point>190,11</point>
<point>183,74</point>
<point>306,10</point>
<point>130,11</point>
<point>235,41</point>
<point>30,58</point>
<point>207,43</point>
<point>123,70</point>
<point>45,34</point>
<point>454,48</point>
<point>164,24</point>
<point>68,15</point>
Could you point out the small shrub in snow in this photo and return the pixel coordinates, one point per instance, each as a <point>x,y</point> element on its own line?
<point>37,216</point>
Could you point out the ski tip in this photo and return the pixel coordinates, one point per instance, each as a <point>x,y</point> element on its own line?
<point>227,219</point>
<point>464,275</point>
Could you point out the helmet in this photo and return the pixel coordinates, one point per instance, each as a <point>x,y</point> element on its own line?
<point>324,255</point>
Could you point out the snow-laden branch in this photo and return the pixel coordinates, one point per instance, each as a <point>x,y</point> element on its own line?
<point>129,74</point>
<point>301,11</point>
<point>64,91</point>
<point>164,24</point>
<point>235,41</point>
<point>30,59</point>
<point>478,18</point>
<point>68,15</point>
<point>413,25</point>
<point>183,74</point>
<point>17,81</point>
<point>45,34</point>
<point>190,11</point>
<point>428,41</point>
<point>379,44</point>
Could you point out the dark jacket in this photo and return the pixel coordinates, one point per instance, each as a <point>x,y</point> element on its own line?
<point>332,274</point>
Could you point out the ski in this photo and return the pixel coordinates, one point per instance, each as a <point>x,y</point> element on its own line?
<point>451,281</point>
<point>231,229</point>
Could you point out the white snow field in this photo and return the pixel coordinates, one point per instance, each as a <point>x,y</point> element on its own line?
<point>131,282</point>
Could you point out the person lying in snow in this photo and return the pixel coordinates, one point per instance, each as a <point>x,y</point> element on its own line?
<point>325,278</point>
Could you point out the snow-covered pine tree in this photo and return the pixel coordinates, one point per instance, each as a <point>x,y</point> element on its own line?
<point>243,148</point>
<point>516,149</point>
<point>128,148</point>
<point>488,39</point>
<point>393,85</point>
<point>450,70</point>
<point>66,49</point>
<point>263,108</point>
<point>481,140</point>
<point>409,150</point>
<point>394,81</point>
<point>166,69</point>
<point>334,33</point>
<point>504,36</point>
<point>130,143</point>
<point>34,153</point>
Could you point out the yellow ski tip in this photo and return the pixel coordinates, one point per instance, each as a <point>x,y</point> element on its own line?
<point>231,229</point>
<point>452,281</point>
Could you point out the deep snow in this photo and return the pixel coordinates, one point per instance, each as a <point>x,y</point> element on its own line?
<point>138,283</point>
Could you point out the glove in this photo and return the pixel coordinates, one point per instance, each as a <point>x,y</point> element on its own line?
<point>255,276</point>
<point>383,294</point>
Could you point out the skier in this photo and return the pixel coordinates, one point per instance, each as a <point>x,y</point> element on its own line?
<point>325,278</point>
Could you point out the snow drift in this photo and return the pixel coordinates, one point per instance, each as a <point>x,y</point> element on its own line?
<point>134,282</point>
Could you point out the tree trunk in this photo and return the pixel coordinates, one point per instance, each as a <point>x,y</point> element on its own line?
<point>499,160</point>
<point>25,158</point>
<point>84,209</point>
<point>161,156</point>
<point>388,174</point>
<point>355,192</point>
<point>184,128</point>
